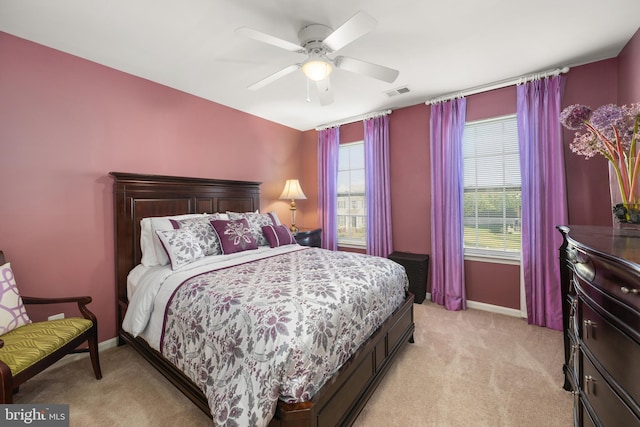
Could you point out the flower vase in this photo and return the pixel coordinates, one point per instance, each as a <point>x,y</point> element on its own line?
<point>625,215</point>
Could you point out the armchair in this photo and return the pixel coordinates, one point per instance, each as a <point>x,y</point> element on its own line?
<point>31,348</point>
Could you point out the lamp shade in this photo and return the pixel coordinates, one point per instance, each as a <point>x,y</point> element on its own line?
<point>292,190</point>
<point>316,69</point>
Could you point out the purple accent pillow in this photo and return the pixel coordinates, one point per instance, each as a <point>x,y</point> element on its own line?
<point>12,312</point>
<point>256,221</point>
<point>278,235</point>
<point>234,235</point>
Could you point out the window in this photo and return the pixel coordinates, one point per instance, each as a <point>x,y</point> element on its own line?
<point>351,202</point>
<point>492,190</point>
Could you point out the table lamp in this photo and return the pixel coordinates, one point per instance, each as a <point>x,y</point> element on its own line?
<point>293,192</point>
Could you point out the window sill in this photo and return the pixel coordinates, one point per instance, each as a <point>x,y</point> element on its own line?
<point>492,259</point>
<point>352,245</point>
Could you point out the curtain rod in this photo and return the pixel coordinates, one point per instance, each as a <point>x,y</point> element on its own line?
<point>498,85</point>
<point>354,119</point>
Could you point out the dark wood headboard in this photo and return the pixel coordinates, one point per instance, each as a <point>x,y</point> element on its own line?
<point>139,196</point>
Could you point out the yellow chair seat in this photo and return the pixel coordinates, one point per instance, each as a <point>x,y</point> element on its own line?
<point>31,343</point>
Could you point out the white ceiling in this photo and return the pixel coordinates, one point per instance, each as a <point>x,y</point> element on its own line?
<point>439,47</point>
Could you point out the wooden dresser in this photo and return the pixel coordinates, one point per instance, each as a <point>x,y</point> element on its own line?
<point>600,269</point>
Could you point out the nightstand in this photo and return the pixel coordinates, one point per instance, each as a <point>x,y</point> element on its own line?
<point>417,268</point>
<point>309,237</point>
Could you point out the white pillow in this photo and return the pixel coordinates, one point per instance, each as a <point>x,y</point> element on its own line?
<point>202,231</point>
<point>181,246</point>
<point>153,252</point>
<point>12,312</point>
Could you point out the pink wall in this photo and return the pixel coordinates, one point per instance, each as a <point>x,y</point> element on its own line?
<point>308,209</point>
<point>491,283</point>
<point>67,122</point>
<point>588,198</point>
<point>628,71</point>
<point>410,179</point>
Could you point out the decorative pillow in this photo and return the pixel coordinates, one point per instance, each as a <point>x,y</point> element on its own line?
<point>256,222</point>
<point>181,246</point>
<point>278,235</point>
<point>203,232</point>
<point>153,253</point>
<point>12,312</point>
<point>234,235</point>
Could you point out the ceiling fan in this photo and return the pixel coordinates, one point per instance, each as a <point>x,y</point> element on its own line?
<point>317,41</point>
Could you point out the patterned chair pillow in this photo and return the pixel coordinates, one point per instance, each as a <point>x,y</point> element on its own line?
<point>12,311</point>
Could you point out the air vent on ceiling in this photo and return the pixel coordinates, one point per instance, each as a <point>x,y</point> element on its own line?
<point>397,91</point>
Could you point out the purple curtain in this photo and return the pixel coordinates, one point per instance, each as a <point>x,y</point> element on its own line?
<point>544,201</point>
<point>328,147</point>
<point>447,190</point>
<point>377,189</point>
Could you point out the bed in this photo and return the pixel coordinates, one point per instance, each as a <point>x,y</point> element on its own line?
<point>343,395</point>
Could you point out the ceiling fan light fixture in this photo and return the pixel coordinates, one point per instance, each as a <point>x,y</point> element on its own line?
<point>317,69</point>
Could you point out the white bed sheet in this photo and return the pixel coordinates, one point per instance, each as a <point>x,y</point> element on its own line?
<point>150,288</point>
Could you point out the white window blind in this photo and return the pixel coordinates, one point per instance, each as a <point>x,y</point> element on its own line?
<point>492,189</point>
<point>351,195</point>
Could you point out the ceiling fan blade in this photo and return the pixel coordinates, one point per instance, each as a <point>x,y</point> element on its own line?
<point>266,38</point>
<point>376,71</point>
<point>275,76</point>
<point>357,26</point>
<point>324,91</point>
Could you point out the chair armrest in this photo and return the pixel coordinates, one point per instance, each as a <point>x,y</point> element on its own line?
<point>81,301</point>
<point>36,300</point>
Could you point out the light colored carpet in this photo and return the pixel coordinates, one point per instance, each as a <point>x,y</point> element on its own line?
<point>470,368</point>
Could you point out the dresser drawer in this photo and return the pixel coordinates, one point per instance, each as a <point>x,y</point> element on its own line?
<point>611,289</point>
<point>586,419</point>
<point>616,352</point>
<point>611,411</point>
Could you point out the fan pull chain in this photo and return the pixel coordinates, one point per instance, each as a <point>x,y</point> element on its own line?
<point>308,96</point>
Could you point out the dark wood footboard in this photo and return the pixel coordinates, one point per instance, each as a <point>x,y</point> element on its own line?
<point>340,401</point>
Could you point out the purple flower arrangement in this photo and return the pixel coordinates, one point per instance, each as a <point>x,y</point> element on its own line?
<point>611,131</point>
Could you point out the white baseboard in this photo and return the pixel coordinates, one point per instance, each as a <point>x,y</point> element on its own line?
<point>494,308</point>
<point>113,342</point>
<point>77,356</point>
<point>489,307</point>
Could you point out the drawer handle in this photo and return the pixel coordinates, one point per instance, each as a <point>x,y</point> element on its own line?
<point>626,290</point>
<point>589,324</point>
<point>588,379</point>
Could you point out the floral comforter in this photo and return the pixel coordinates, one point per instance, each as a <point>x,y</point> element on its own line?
<point>276,328</point>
